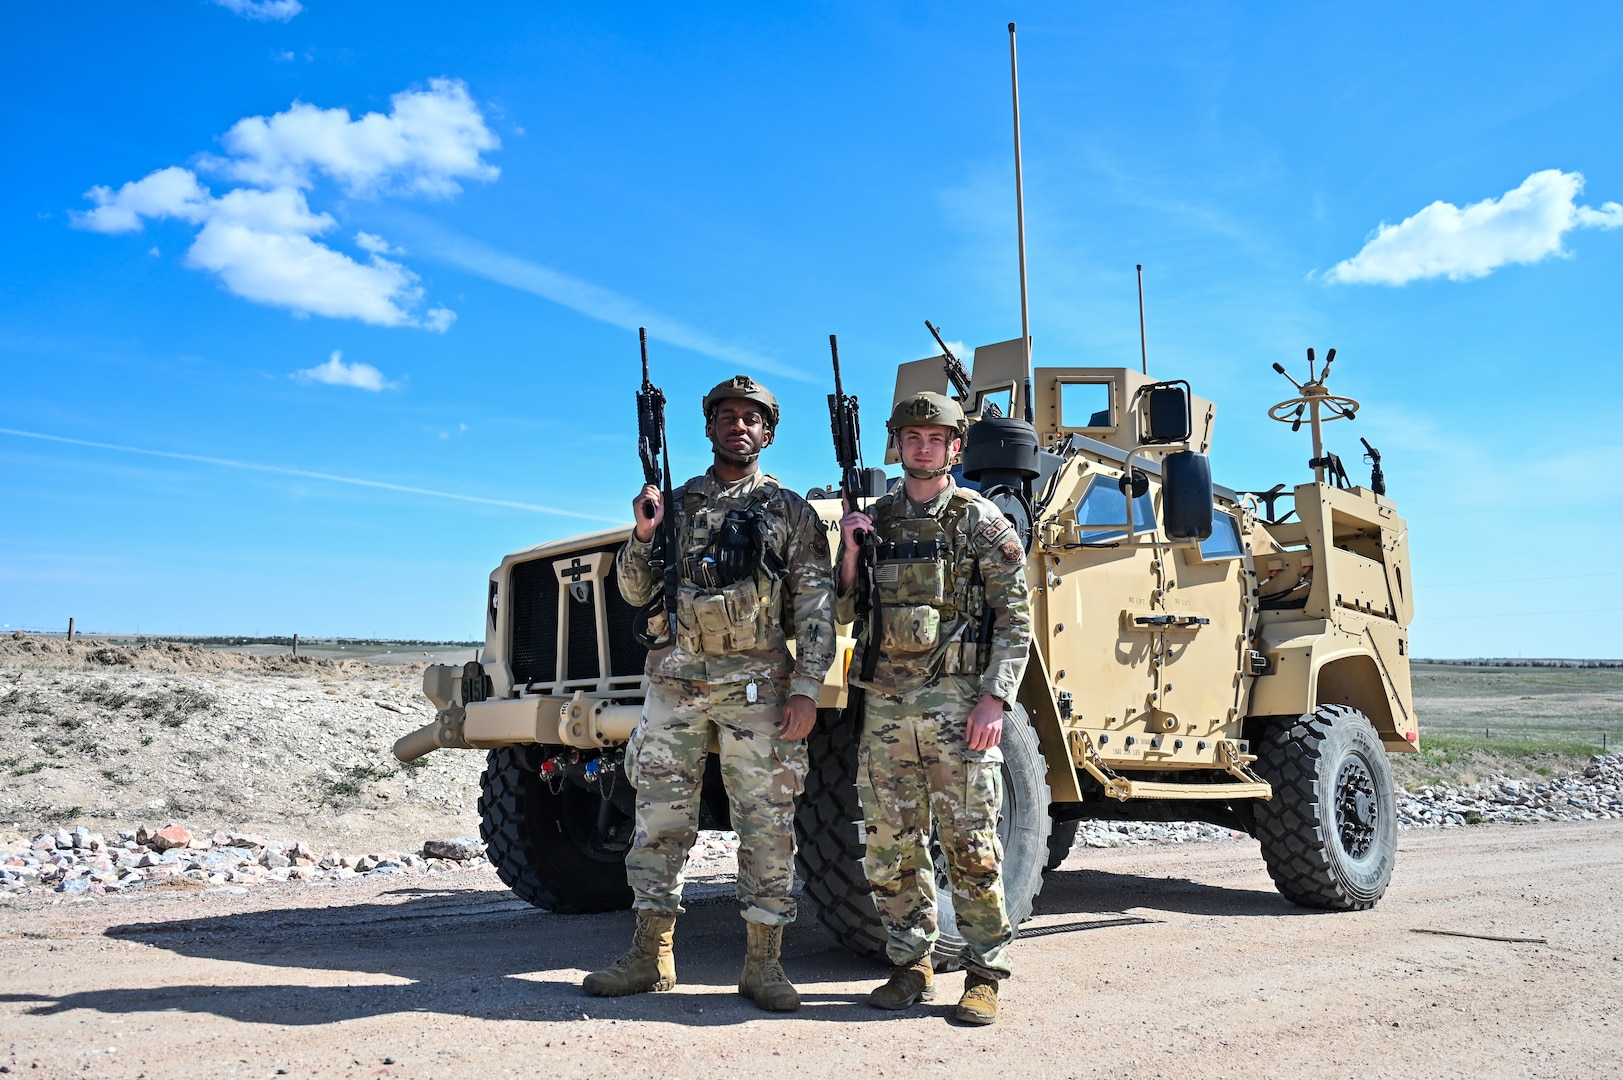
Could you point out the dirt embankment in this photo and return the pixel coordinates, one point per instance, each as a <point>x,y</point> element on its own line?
<point>115,736</point>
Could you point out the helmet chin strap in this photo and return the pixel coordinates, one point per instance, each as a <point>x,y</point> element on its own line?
<point>733,455</point>
<point>926,474</point>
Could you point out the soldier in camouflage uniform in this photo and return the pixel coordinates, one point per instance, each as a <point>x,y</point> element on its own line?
<point>935,704</point>
<point>752,563</point>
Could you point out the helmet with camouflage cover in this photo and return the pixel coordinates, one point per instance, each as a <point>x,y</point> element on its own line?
<point>746,389</point>
<point>927,409</point>
<point>742,386</point>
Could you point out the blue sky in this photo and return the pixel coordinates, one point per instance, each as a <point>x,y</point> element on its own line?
<point>409,245</point>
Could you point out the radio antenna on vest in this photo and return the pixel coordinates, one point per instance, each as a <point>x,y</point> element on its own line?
<point>1019,203</point>
<point>1143,348</point>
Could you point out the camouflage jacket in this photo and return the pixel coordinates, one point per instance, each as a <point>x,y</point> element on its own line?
<point>943,565</point>
<point>738,633</point>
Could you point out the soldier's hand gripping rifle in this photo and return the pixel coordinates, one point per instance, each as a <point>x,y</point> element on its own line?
<point>842,414</point>
<point>650,447</point>
<point>957,374</point>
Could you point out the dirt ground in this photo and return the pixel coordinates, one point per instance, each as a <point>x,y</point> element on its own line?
<point>1140,962</point>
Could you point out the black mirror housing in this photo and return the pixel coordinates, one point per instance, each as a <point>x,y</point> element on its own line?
<point>1167,413</point>
<point>1186,496</point>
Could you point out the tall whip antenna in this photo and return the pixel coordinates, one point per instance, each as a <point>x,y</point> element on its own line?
<point>1019,201</point>
<point>1143,347</point>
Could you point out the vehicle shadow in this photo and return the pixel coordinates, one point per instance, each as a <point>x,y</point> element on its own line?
<point>467,953</point>
<point>1085,890</point>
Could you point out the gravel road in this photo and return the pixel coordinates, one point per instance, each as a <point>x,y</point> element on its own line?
<point>1140,962</point>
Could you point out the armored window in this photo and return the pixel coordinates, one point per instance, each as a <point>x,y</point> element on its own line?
<point>1084,405</point>
<point>1105,506</point>
<point>1224,543</point>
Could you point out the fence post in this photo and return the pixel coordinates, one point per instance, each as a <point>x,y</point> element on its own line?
<point>70,627</point>
<point>295,644</point>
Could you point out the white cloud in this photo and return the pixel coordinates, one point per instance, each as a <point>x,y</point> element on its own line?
<point>260,240</point>
<point>263,10</point>
<point>377,245</point>
<point>337,373</point>
<point>430,139</point>
<point>1525,225</point>
<point>173,192</point>
<point>439,319</point>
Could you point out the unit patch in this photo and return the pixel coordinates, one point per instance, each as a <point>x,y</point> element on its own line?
<point>1010,549</point>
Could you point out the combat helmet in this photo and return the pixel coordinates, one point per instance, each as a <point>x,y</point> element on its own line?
<point>926,409</point>
<point>742,386</point>
<point>747,389</point>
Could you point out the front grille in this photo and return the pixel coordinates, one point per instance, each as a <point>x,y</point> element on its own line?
<point>532,598</point>
<point>533,646</point>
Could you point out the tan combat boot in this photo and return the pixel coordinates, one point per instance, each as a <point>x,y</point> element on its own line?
<point>979,1003</point>
<point>763,980</point>
<point>649,964</point>
<point>916,982</point>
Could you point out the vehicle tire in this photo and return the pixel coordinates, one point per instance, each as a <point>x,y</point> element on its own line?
<point>829,823</point>
<point>549,846</point>
<point>832,840</point>
<point>1060,842</point>
<point>1329,834</point>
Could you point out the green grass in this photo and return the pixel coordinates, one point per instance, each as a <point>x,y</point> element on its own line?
<point>1479,722</point>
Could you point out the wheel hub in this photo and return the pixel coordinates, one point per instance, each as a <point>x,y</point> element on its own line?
<point>1355,808</point>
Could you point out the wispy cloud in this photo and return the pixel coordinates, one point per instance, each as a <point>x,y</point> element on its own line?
<point>337,373</point>
<point>263,10</point>
<point>307,474</point>
<point>1525,225</point>
<point>261,240</point>
<point>588,299</point>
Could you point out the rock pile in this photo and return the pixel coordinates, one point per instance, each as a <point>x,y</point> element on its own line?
<point>80,861</point>
<point>1597,793</point>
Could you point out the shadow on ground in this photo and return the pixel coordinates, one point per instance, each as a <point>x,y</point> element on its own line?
<point>1084,890</point>
<point>487,955</point>
<point>467,953</point>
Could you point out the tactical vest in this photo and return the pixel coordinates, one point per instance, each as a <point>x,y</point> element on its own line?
<point>929,588</point>
<point>720,612</point>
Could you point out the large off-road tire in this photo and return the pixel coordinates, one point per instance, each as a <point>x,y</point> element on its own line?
<point>1329,835</point>
<point>832,840</point>
<point>1060,842</point>
<point>548,846</point>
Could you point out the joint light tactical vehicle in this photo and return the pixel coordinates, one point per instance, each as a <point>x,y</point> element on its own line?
<point>1199,653</point>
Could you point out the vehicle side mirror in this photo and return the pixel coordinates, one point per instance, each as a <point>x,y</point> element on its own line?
<point>1166,414</point>
<point>1186,496</point>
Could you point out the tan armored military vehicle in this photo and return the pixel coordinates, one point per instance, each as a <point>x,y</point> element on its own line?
<point>1200,654</point>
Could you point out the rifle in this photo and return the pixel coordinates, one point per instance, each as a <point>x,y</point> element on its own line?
<point>650,446</point>
<point>843,417</point>
<point>1377,478</point>
<point>957,374</point>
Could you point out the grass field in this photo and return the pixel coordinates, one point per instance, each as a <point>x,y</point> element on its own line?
<point>1521,721</point>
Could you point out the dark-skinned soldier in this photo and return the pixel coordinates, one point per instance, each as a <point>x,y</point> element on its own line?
<point>929,750</point>
<point>753,565</point>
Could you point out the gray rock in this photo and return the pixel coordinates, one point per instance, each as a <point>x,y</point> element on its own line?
<point>459,849</point>
<point>274,860</point>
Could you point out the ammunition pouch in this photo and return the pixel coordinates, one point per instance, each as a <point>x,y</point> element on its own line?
<point>719,622</point>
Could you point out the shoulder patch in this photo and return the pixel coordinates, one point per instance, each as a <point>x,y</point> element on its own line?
<point>820,544</point>
<point>1010,550</point>
<point>991,530</point>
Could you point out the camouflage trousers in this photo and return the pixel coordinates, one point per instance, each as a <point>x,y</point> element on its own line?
<point>763,773</point>
<point>915,767</point>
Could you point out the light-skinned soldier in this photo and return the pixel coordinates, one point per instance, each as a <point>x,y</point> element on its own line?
<point>751,562</point>
<point>935,705</point>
